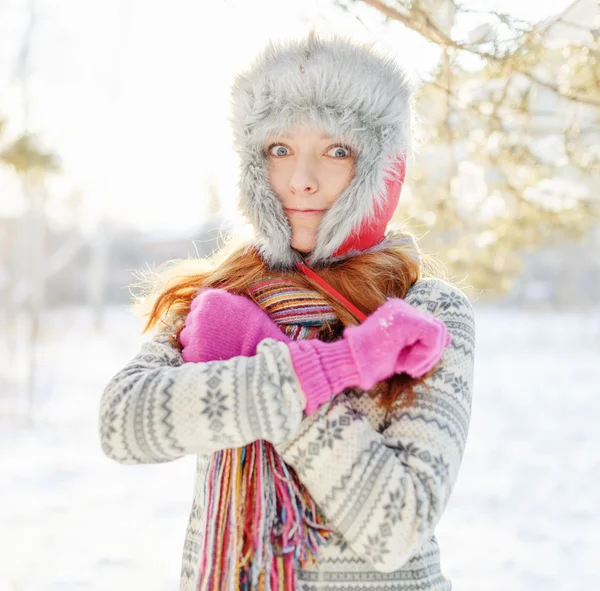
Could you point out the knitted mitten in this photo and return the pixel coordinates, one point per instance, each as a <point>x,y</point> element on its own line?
<point>222,325</point>
<point>396,338</point>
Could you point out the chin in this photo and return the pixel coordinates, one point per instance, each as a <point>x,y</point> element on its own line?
<point>303,246</point>
<point>302,249</point>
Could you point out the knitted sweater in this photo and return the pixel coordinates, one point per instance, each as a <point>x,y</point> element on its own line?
<point>381,483</point>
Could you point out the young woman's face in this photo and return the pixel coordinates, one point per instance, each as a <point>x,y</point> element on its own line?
<point>308,171</point>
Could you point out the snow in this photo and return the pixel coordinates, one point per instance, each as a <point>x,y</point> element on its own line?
<point>523,516</point>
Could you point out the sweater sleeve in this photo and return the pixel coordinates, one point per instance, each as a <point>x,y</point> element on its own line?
<point>159,408</point>
<point>385,492</point>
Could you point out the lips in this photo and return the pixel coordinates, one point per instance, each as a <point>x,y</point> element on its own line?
<point>304,212</point>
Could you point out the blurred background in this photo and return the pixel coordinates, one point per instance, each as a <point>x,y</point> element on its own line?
<point>115,155</point>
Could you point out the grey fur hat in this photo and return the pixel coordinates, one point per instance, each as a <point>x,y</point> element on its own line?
<point>342,86</point>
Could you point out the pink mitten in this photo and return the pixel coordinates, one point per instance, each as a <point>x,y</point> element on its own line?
<point>396,338</point>
<point>222,325</point>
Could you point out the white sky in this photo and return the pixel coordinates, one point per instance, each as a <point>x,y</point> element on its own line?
<point>134,94</point>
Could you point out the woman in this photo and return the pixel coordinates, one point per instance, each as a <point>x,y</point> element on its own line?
<point>321,378</point>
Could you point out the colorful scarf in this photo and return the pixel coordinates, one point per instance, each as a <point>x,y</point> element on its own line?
<point>259,519</point>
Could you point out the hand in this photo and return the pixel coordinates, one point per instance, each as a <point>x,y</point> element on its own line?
<point>222,325</point>
<point>397,338</point>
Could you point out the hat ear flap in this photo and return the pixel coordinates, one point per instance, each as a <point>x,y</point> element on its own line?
<point>372,232</point>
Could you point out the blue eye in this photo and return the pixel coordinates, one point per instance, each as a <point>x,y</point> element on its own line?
<point>340,152</point>
<point>280,151</point>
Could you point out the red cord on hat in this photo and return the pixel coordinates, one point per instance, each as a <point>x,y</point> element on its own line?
<point>332,291</point>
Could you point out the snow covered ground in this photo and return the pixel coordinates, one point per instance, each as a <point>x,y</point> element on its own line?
<point>524,514</point>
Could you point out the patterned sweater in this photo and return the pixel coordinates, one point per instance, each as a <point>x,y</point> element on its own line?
<point>382,483</point>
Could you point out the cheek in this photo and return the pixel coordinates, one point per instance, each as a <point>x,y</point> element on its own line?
<point>339,182</point>
<point>278,179</point>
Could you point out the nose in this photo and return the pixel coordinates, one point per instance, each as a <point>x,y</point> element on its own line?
<point>303,179</point>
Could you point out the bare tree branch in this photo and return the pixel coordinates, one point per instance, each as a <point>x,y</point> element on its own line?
<point>429,30</point>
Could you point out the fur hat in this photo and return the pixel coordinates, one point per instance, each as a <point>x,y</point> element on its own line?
<point>354,94</point>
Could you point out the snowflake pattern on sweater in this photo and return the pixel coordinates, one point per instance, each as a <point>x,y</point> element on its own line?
<point>381,481</point>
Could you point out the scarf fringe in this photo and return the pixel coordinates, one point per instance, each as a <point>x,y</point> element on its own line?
<point>257,549</point>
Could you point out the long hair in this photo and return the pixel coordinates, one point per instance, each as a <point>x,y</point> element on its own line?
<point>366,279</point>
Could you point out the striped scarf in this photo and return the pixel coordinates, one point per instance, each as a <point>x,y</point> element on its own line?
<point>259,519</point>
